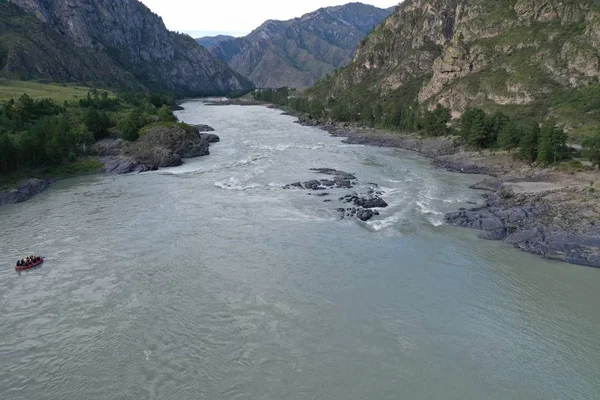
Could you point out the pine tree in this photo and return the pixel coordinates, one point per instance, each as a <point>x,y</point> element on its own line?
<point>367,115</point>
<point>7,153</point>
<point>509,136</point>
<point>436,121</point>
<point>559,144</point>
<point>377,113</point>
<point>544,154</point>
<point>412,118</point>
<point>591,148</point>
<point>529,143</point>
<point>552,145</point>
<point>97,123</point>
<point>493,127</point>
<point>472,127</point>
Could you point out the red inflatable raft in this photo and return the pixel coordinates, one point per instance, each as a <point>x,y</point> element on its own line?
<point>30,265</point>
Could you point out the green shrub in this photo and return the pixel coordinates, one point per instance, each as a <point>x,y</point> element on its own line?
<point>165,114</point>
<point>436,122</point>
<point>591,148</point>
<point>129,125</point>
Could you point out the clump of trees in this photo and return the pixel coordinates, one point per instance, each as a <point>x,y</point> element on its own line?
<point>35,133</point>
<point>545,145</point>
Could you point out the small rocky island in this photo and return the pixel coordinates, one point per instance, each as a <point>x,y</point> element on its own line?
<point>159,146</point>
<point>363,205</point>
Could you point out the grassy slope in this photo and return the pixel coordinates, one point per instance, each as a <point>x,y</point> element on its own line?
<point>11,89</point>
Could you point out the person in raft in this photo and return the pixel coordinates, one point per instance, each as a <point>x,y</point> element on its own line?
<point>27,261</point>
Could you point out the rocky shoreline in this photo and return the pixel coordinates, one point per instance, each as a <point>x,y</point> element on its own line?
<point>159,147</point>
<point>547,212</point>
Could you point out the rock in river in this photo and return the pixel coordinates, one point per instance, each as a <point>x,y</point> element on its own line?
<point>24,191</point>
<point>204,128</point>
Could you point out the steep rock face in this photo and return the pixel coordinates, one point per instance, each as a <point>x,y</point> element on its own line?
<point>136,40</point>
<point>483,53</point>
<point>30,49</point>
<point>295,53</point>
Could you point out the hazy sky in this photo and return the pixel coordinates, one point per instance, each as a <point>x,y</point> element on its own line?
<point>236,17</point>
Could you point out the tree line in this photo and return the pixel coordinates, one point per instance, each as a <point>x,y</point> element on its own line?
<point>36,133</point>
<point>542,142</point>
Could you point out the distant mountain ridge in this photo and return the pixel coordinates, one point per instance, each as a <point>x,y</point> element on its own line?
<point>110,42</point>
<point>295,53</point>
<point>210,41</point>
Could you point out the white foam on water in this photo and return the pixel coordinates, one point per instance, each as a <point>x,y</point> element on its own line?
<point>429,213</point>
<point>389,191</point>
<point>380,224</point>
<point>284,147</point>
<point>250,160</point>
<point>235,184</point>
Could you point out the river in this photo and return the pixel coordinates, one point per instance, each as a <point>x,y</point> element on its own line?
<point>210,281</point>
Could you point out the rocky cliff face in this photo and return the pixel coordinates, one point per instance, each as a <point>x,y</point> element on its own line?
<point>136,40</point>
<point>494,54</point>
<point>31,50</point>
<point>294,53</point>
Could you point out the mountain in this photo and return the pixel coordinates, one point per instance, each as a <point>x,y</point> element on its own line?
<point>296,52</point>
<point>107,42</point>
<point>210,41</point>
<point>32,50</point>
<point>532,58</point>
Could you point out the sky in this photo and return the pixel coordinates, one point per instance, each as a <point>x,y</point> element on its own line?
<point>236,17</point>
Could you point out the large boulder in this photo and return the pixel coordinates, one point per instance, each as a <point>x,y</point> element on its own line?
<point>210,137</point>
<point>180,139</point>
<point>122,165</point>
<point>373,202</point>
<point>204,128</point>
<point>24,191</point>
<point>154,157</point>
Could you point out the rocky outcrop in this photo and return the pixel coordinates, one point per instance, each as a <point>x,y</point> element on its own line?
<point>295,53</point>
<point>551,229</point>
<point>179,139</point>
<point>160,146</point>
<point>123,38</point>
<point>118,165</point>
<point>24,191</point>
<point>204,128</point>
